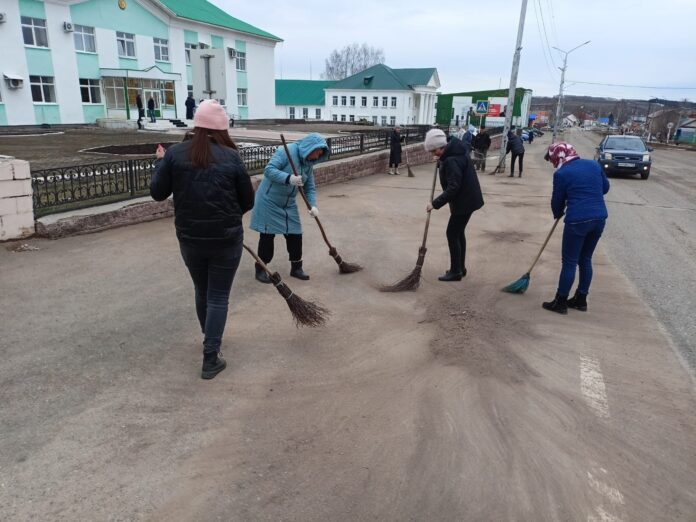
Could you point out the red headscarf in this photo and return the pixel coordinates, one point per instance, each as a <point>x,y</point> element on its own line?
<point>561,153</point>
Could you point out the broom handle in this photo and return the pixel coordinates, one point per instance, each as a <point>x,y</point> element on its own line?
<point>301,191</point>
<point>258,259</point>
<point>432,195</point>
<point>544,245</point>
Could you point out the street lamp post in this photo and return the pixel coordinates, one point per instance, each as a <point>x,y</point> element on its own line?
<point>559,105</point>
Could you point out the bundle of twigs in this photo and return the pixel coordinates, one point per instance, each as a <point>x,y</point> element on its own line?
<point>305,313</point>
<point>344,267</point>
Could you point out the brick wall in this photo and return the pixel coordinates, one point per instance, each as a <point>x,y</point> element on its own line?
<point>16,208</point>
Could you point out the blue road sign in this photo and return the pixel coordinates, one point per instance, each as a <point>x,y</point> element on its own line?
<point>482,107</point>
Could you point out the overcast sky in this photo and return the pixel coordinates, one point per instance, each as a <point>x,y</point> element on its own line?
<point>471,43</point>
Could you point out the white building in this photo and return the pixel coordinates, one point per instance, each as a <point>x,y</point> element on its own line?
<point>301,99</point>
<point>75,61</point>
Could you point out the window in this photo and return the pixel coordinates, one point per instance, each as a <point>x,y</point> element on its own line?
<point>34,31</point>
<point>343,117</point>
<point>292,113</point>
<point>90,91</point>
<point>343,101</point>
<point>202,45</point>
<point>188,47</point>
<point>113,92</point>
<point>352,101</point>
<point>375,101</point>
<point>392,120</point>
<point>384,101</point>
<point>334,117</point>
<point>393,102</point>
<point>161,49</point>
<point>384,120</point>
<point>374,120</point>
<point>351,118</point>
<point>409,102</point>
<point>84,39</point>
<point>334,100</point>
<point>189,89</point>
<point>241,60</point>
<point>242,97</point>
<point>305,113</point>
<point>363,101</point>
<point>317,113</point>
<point>42,89</point>
<point>126,44</point>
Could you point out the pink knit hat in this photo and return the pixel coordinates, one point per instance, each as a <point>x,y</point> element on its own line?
<point>211,115</point>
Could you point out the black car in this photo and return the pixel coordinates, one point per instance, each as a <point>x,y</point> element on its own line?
<point>619,154</point>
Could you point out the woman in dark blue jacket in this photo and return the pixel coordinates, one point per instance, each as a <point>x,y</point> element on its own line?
<point>212,191</point>
<point>579,187</point>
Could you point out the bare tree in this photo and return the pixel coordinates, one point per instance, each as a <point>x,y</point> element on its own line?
<point>350,60</point>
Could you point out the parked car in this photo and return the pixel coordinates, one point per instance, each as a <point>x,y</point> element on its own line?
<point>619,154</point>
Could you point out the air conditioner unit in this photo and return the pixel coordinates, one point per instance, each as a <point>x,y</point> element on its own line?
<point>232,52</point>
<point>15,83</point>
<point>3,18</point>
<point>68,27</point>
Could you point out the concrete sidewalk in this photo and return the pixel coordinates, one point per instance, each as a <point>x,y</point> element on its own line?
<point>457,402</point>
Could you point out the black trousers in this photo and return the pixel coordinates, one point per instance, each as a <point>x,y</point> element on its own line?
<point>520,158</point>
<point>457,241</point>
<point>293,242</point>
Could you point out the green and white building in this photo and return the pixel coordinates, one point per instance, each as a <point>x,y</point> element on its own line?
<point>77,61</point>
<point>456,108</point>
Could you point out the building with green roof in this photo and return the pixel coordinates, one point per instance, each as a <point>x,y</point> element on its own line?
<point>301,99</point>
<point>460,108</point>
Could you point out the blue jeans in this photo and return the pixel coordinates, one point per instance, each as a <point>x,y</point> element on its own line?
<point>212,271</point>
<point>579,242</point>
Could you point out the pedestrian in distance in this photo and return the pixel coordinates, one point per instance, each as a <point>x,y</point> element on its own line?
<point>394,151</point>
<point>275,208</point>
<point>151,109</point>
<point>481,144</point>
<point>141,110</point>
<point>515,146</point>
<point>190,107</point>
<point>579,186</point>
<point>212,191</point>
<point>468,137</point>
<point>461,190</point>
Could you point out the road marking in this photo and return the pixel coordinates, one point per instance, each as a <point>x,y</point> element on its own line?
<point>592,386</point>
<point>602,516</point>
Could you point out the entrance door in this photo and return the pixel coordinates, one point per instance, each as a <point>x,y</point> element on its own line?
<point>156,96</point>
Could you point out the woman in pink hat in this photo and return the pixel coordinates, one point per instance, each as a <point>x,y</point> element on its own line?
<point>212,191</point>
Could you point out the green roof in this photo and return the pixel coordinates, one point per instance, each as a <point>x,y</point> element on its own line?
<point>300,92</point>
<point>203,11</point>
<point>383,78</point>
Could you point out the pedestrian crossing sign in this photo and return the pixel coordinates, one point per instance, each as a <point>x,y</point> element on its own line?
<point>482,107</point>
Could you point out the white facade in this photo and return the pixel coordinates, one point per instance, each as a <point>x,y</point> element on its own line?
<point>297,112</point>
<point>72,86</point>
<point>401,107</point>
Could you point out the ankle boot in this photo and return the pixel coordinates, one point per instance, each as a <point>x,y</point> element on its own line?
<point>261,275</point>
<point>450,276</point>
<point>578,301</point>
<point>296,270</point>
<point>212,365</point>
<point>558,305</point>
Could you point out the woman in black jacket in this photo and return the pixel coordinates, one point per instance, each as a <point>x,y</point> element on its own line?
<point>212,191</point>
<point>461,190</point>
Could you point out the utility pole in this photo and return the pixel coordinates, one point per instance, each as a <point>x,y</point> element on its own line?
<point>513,86</point>
<point>559,105</point>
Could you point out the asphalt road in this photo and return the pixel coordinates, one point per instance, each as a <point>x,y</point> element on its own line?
<point>651,237</point>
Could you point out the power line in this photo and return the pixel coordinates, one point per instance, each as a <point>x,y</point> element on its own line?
<point>544,49</point>
<point>553,21</point>
<point>546,37</point>
<point>636,86</point>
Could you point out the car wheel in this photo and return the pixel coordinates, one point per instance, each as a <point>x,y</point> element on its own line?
<point>644,175</point>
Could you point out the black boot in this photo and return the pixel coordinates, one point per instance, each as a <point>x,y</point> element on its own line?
<point>578,301</point>
<point>450,276</point>
<point>261,275</point>
<point>296,270</point>
<point>212,365</point>
<point>558,305</point>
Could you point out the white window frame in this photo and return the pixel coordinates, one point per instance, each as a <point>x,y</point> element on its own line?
<point>240,59</point>
<point>363,101</point>
<point>93,90</point>
<point>36,26</point>
<point>393,102</point>
<point>242,97</point>
<point>375,101</point>
<point>392,120</point>
<point>291,112</point>
<point>343,117</point>
<point>352,101</point>
<point>351,118</point>
<point>384,121</point>
<point>334,117</point>
<point>374,120</point>
<point>83,35</point>
<point>334,101</point>
<point>305,113</point>
<point>162,48</point>
<point>317,114</point>
<point>47,85</point>
<point>385,101</point>
<point>344,101</point>
<point>126,38</point>
<point>187,50</point>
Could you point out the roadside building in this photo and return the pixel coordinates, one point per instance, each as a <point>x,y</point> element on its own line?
<point>570,120</point>
<point>460,108</point>
<point>301,99</point>
<point>686,133</point>
<point>71,62</point>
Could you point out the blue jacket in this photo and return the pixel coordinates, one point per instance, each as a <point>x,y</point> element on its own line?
<point>578,189</point>
<point>275,207</point>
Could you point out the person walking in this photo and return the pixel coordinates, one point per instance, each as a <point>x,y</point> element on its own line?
<point>461,190</point>
<point>515,146</point>
<point>481,143</point>
<point>275,208</point>
<point>151,109</point>
<point>190,107</point>
<point>141,110</point>
<point>579,186</point>
<point>468,137</point>
<point>394,151</point>
<point>212,191</point>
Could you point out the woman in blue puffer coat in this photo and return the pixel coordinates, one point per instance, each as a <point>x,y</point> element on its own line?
<point>275,207</point>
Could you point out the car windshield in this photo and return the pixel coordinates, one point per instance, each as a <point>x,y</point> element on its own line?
<point>625,144</point>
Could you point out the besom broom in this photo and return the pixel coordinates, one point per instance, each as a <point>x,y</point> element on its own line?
<point>412,280</point>
<point>343,266</point>
<point>520,286</point>
<point>305,313</point>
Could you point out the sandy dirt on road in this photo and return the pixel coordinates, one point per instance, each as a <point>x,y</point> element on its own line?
<point>456,402</point>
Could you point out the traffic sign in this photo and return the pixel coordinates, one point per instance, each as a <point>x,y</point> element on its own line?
<point>670,125</point>
<point>482,107</point>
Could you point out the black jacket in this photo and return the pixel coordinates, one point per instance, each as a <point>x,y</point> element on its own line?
<point>208,203</point>
<point>190,103</point>
<point>151,104</point>
<point>458,179</point>
<point>139,101</point>
<point>482,141</point>
<point>514,144</point>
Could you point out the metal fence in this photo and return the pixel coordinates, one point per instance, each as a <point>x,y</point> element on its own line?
<point>68,188</point>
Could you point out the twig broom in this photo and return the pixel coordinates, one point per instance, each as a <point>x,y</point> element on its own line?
<point>305,313</point>
<point>408,166</point>
<point>343,266</point>
<point>412,280</point>
<point>520,286</point>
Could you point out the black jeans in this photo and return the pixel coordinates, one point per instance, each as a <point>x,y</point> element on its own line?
<point>212,271</point>
<point>293,242</point>
<point>457,241</point>
<point>520,158</point>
